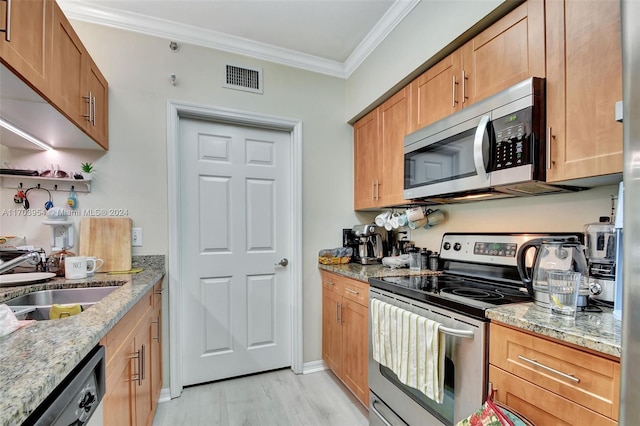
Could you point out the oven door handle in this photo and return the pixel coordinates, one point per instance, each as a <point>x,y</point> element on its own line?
<point>466,334</point>
<point>378,413</point>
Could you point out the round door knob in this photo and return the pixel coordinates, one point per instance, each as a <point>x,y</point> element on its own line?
<point>284,262</point>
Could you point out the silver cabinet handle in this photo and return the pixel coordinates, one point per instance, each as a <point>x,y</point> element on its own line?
<point>93,110</point>
<point>378,413</point>
<point>549,148</point>
<point>453,96</point>
<point>89,114</point>
<point>141,366</point>
<point>137,377</point>
<point>551,370</point>
<point>464,90</point>
<point>348,290</point>
<point>7,22</point>
<point>338,313</point>
<point>159,291</point>
<point>377,189</point>
<point>283,262</point>
<point>157,323</point>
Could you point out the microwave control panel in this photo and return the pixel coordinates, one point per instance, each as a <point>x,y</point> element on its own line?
<point>513,140</point>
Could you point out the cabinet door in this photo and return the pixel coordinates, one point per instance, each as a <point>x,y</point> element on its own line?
<point>67,90</point>
<point>355,358</point>
<point>394,126</point>
<point>97,89</point>
<point>119,403</point>
<point>155,369</point>
<point>584,81</point>
<point>366,157</point>
<point>437,93</point>
<point>142,387</point>
<point>506,53</point>
<point>23,46</point>
<point>332,330</point>
<point>539,405</point>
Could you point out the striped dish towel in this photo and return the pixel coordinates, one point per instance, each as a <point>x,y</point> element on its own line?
<point>411,346</point>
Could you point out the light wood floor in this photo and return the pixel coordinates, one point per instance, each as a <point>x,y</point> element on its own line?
<point>275,398</point>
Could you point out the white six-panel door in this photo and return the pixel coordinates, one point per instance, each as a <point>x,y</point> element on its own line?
<point>235,209</point>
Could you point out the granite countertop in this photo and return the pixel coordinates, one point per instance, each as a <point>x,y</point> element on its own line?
<point>597,331</point>
<point>364,272</point>
<point>36,358</point>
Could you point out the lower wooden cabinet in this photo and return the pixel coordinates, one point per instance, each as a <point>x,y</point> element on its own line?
<point>134,364</point>
<point>345,322</point>
<point>551,383</point>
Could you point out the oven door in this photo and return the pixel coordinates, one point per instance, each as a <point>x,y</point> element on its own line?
<point>465,372</point>
<point>452,160</point>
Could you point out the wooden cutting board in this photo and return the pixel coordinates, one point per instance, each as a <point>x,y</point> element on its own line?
<point>108,238</point>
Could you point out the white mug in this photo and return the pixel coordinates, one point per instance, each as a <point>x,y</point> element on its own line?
<point>434,217</point>
<point>417,224</point>
<point>382,218</point>
<point>414,214</point>
<point>97,265</point>
<point>76,267</point>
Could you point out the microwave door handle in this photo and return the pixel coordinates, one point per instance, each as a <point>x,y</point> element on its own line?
<point>478,157</point>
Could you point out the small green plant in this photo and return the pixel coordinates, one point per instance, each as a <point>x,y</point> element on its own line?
<point>87,167</point>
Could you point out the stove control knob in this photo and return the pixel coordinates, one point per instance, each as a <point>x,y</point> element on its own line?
<point>446,246</point>
<point>457,246</point>
<point>595,288</point>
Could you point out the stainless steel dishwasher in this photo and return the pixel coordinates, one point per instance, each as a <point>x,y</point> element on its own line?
<point>76,399</point>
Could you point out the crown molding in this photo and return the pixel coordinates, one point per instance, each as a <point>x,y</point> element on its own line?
<point>86,12</point>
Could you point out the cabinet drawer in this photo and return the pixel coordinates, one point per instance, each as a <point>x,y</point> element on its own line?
<point>356,291</point>
<point>332,282</point>
<point>581,377</point>
<point>539,405</point>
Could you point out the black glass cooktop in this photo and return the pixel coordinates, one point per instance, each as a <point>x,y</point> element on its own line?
<point>466,295</point>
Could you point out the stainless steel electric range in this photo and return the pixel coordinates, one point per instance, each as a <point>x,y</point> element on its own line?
<point>479,272</point>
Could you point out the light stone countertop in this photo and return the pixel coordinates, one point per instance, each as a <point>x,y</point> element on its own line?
<point>597,331</point>
<point>36,358</point>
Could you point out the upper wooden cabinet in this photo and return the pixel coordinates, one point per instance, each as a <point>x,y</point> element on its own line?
<point>46,53</point>
<point>509,51</point>
<point>80,89</point>
<point>25,37</point>
<point>378,154</point>
<point>584,81</point>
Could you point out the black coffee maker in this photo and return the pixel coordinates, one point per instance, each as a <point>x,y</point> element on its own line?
<point>349,239</point>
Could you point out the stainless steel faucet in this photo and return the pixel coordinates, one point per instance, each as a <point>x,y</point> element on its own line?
<point>32,257</point>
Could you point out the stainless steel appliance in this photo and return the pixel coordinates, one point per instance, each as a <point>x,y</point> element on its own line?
<point>600,241</point>
<point>630,265</point>
<point>77,398</point>
<point>370,244</point>
<point>495,148</point>
<point>479,272</point>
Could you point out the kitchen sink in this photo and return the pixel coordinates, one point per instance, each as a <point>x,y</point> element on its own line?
<point>37,305</point>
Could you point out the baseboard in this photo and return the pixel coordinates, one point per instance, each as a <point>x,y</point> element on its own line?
<point>314,367</point>
<point>165,395</point>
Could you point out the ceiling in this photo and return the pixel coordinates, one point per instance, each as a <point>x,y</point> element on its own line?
<point>327,36</point>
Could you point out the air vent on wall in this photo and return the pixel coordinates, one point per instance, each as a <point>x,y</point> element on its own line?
<point>243,78</point>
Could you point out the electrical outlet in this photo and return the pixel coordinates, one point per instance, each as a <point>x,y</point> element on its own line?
<point>136,237</point>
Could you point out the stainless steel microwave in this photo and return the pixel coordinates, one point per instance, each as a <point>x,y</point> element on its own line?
<point>492,149</point>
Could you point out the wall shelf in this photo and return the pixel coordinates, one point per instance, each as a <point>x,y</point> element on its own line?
<point>50,184</point>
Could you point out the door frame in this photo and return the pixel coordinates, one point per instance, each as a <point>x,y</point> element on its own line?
<point>175,111</point>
